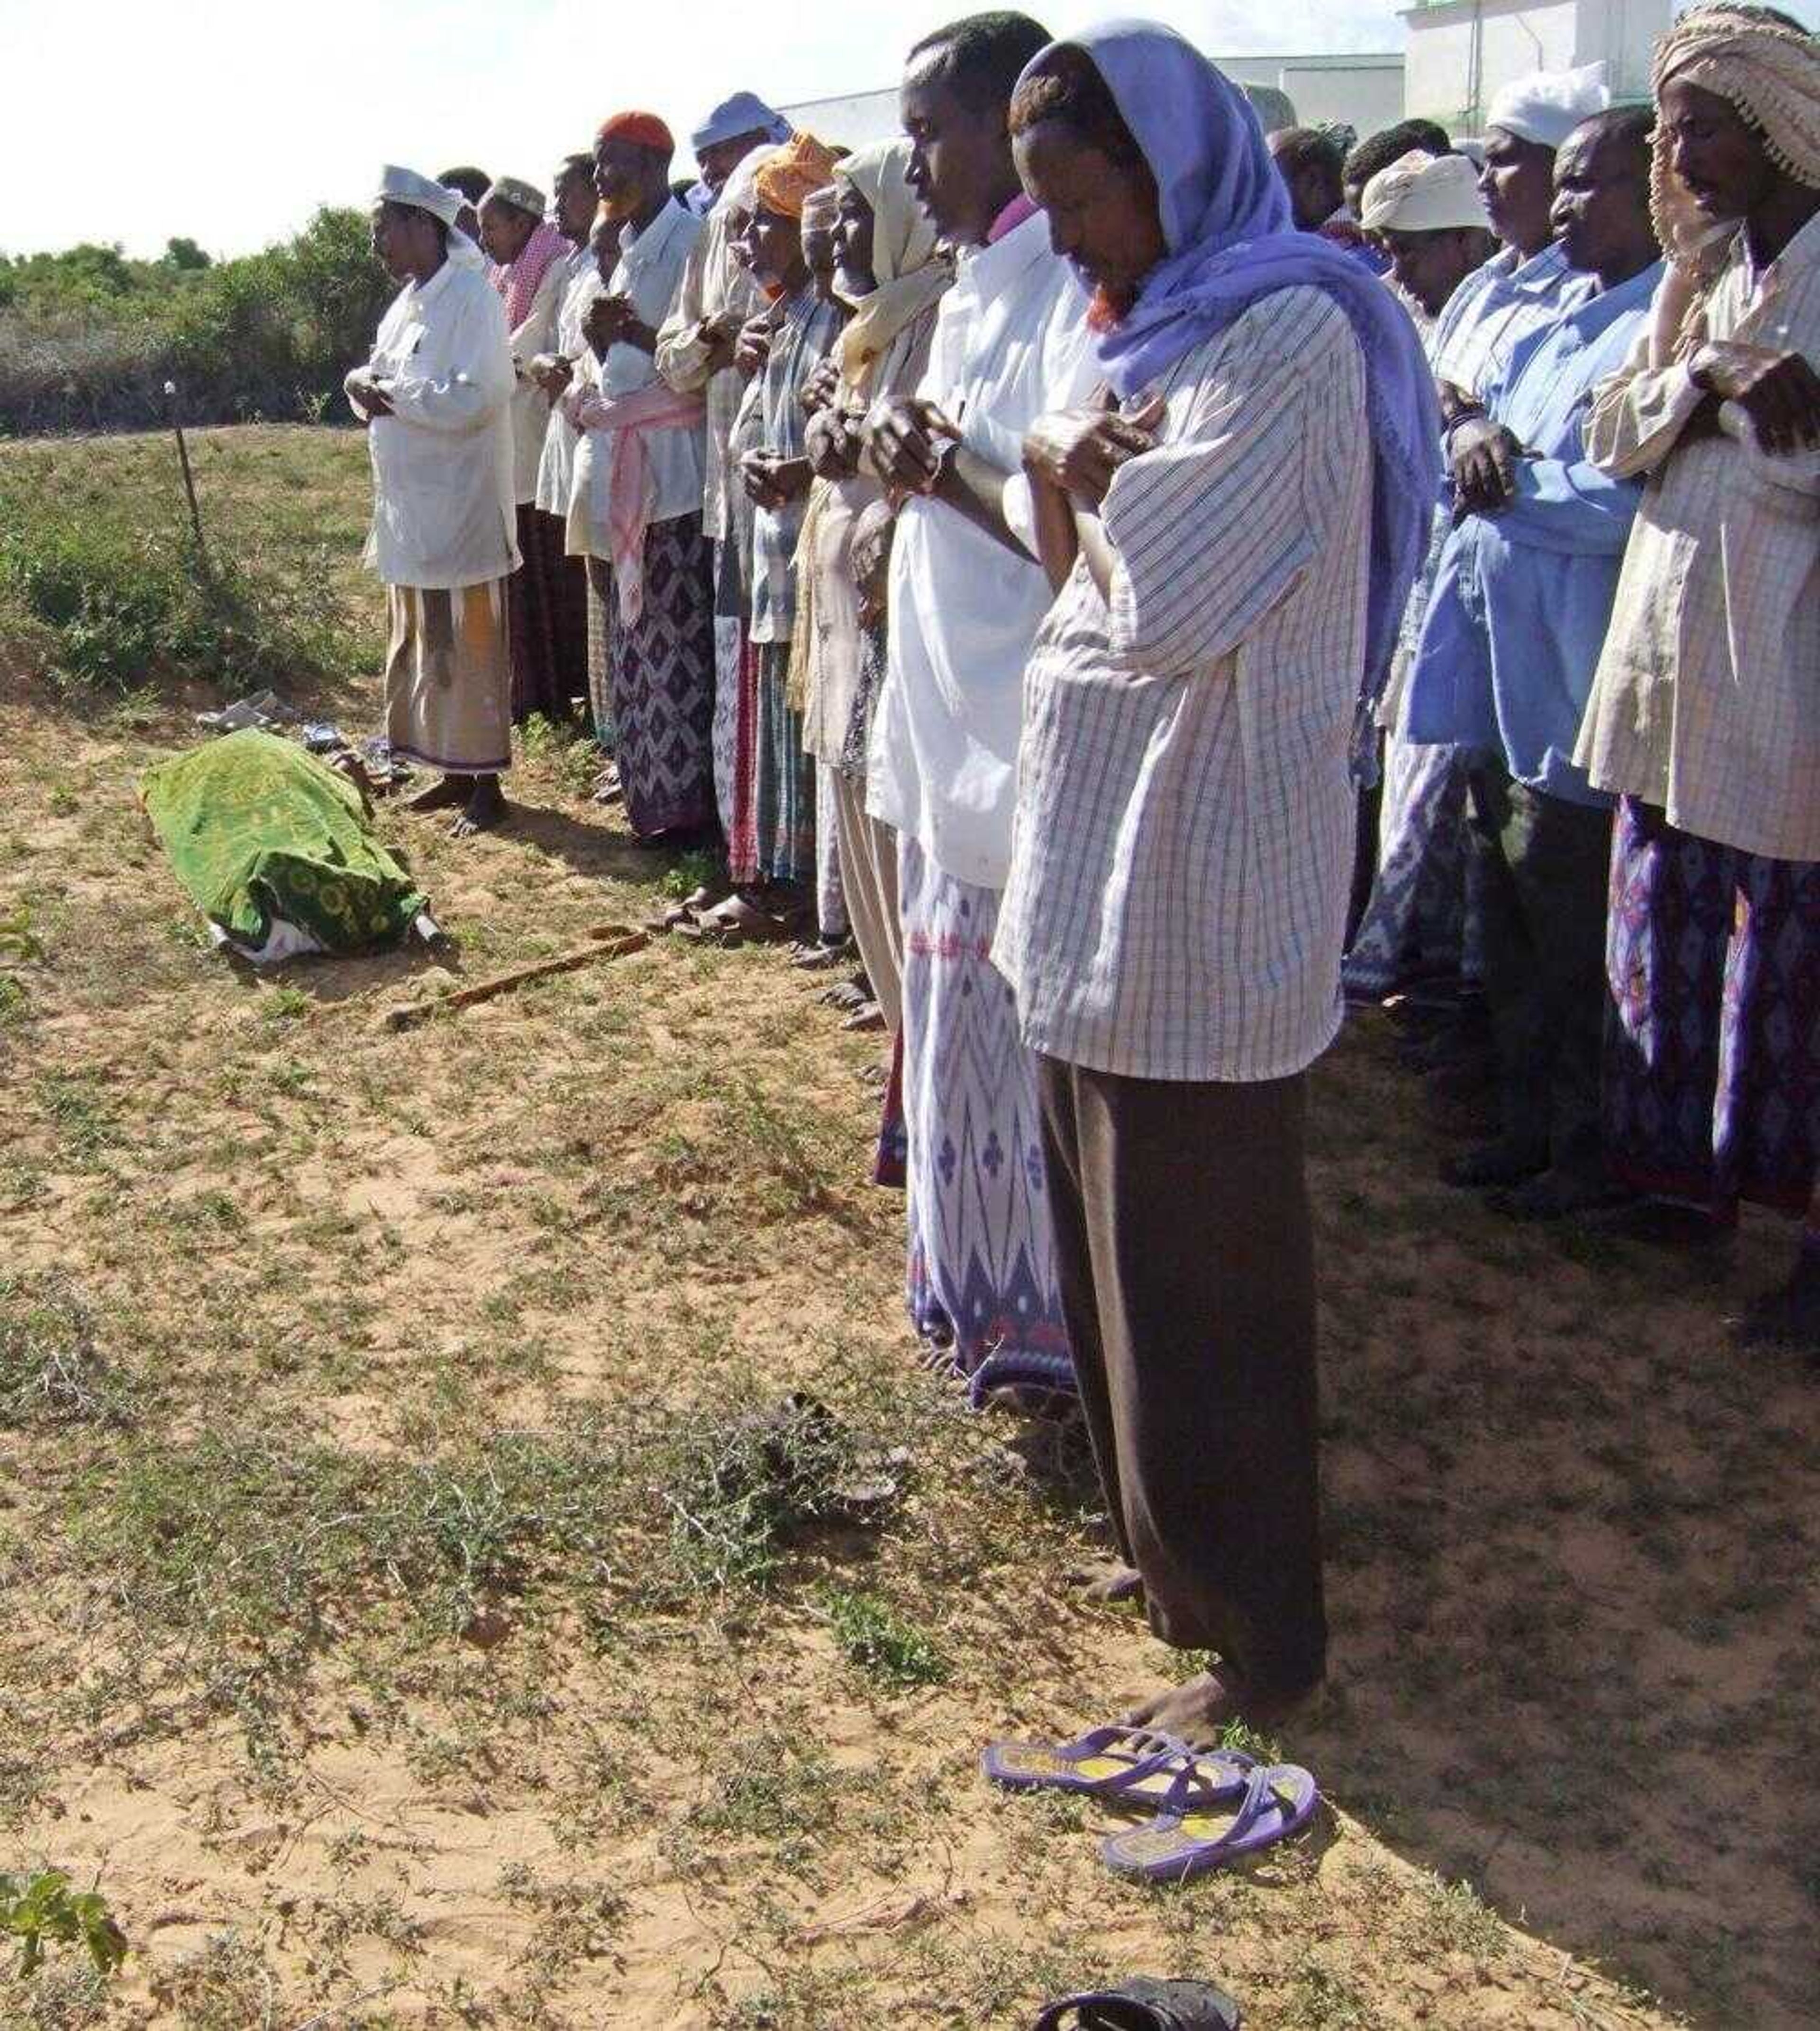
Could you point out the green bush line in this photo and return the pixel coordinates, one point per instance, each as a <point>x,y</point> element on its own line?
<point>89,339</point>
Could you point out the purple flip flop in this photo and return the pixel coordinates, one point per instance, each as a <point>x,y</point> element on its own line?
<point>1280,1799</point>
<point>1133,1765</point>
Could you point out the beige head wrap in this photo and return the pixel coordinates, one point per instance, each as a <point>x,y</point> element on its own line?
<point>1771,74</point>
<point>909,271</point>
<point>1423,193</point>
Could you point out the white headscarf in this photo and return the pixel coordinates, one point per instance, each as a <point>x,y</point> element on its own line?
<point>905,266</point>
<point>1547,106</point>
<point>739,191</point>
<point>400,186</point>
<point>1423,193</point>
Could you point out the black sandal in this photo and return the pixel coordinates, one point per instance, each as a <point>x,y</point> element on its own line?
<point>1142,2004</point>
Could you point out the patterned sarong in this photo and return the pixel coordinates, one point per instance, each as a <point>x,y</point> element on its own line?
<point>660,680</point>
<point>600,627</point>
<point>547,605</point>
<point>1413,929</point>
<point>448,678</point>
<point>784,789</point>
<point>1712,1072</point>
<point>981,1275</point>
<point>262,836</point>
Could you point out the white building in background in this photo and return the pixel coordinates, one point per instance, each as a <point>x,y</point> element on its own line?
<point>1460,51</point>
<point>1364,91</point>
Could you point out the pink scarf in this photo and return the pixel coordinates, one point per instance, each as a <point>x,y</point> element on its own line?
<point>653,408</point>
<point>518,284</point>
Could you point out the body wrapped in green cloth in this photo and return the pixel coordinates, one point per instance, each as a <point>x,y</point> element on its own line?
<point>276,849</point>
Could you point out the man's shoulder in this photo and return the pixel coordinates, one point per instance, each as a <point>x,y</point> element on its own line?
<point>1302,325</point>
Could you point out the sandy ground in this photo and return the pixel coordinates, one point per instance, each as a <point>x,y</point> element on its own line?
<point>350,1639</point>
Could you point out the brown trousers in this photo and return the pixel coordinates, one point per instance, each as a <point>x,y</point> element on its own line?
<point>1186,1260</point>
<point>869,876</point>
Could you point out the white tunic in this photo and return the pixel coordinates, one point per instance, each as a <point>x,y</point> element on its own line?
<point>444,514</point>
<point>1707,699</point>
<point>580,285</point>
<point>530,406</point>
<point>1010,341</point>
<point>649,272</point>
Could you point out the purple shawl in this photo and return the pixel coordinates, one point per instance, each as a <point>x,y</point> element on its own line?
<point>1231,239</point>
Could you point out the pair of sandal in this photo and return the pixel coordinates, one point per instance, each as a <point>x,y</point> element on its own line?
<point>1143,2004</point>
<point>731,921</point>
<point>1207,1810</point>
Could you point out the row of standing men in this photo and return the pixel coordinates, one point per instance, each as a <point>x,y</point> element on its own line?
<point>1008,577</point>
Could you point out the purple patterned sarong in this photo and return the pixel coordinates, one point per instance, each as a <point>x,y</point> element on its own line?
<point>661,679</point>
<point>981,1275</point>
<point>1712,1071</point>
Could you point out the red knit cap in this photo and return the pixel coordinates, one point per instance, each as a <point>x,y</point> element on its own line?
<point>644,130</point>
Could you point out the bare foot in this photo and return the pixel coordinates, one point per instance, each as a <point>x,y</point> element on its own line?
<point>1198,1711</point>
<point>1106,1580</point>
<point>486,808</point>
<point>439,797</point>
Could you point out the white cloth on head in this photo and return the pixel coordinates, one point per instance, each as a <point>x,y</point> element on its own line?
<point>1547,106</point>
<point>444,511</point>
<point>739,192</point>
<point>745,113</point>
<point>1423,193</point>
<point>402,186</point>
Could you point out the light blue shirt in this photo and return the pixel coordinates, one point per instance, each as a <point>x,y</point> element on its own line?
<point>1494,309</point>
<point>1522,598</point>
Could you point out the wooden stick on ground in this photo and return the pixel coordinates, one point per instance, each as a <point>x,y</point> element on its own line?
<point>607,942</point>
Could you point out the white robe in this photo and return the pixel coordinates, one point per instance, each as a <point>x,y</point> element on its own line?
<point>444,511</point>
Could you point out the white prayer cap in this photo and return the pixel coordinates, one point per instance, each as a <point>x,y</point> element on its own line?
<point>398,186</point>
<point>745,113</point>
<point>1547,106</point>
<point>1423,193</point>
<point>516,192</point>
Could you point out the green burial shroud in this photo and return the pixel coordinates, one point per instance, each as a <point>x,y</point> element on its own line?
<point>257,829</point>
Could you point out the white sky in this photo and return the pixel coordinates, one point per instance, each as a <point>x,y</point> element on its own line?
<point>230,120</point>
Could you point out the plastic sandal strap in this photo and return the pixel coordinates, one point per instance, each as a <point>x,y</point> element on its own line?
<point>1111,2012</point>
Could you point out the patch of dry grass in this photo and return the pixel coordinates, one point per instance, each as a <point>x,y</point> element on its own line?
<point>411,1614</point>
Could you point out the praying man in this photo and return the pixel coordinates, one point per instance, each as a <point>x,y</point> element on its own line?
<point>435,396</point>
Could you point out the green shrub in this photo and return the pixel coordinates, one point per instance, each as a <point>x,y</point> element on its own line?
<point>88,338</point>
<point>117,579</point>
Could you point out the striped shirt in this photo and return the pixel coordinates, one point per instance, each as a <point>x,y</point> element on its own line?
<point>1495,307</point>
<point>1184,824</point>
<point>713,284</point>
<point>1707,698</point>
<point>805,328</point>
